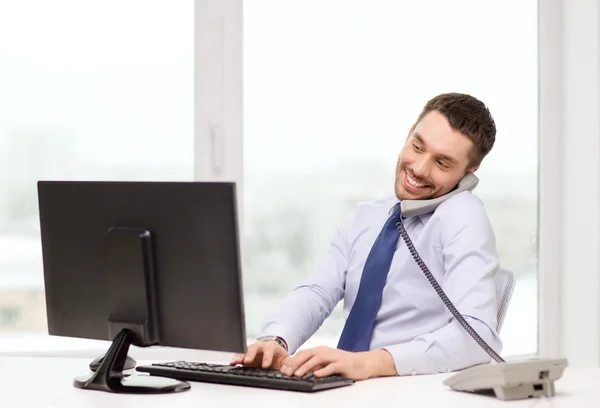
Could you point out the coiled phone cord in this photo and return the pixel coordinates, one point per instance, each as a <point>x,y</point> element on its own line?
<point>443,296</point>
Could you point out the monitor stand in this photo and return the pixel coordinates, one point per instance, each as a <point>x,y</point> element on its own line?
<point>133,319</point>
<point>109,375</point>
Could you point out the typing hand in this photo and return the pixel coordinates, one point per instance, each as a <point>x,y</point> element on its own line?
<point>268,354</point>
<point>324,361</point>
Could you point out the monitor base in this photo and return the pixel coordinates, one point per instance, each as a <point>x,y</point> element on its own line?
<point>109,376</point>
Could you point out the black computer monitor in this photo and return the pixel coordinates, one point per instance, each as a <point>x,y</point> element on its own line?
<point>144,264</point>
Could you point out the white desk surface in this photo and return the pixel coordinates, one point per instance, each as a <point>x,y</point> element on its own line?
<point>47,382</point>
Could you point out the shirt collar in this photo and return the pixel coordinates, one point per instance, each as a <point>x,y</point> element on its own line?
<point>423,217</point>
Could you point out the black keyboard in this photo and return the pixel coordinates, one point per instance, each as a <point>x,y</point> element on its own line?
<point>246,376</point>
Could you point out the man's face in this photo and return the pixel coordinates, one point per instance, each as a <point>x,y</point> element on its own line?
<point>433,160</point>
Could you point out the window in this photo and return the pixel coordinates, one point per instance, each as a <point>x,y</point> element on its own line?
<point>331,89</point>
<point>90,91</point>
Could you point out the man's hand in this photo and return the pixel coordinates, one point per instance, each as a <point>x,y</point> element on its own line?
<point>268,354</point>
<point>324,361</point>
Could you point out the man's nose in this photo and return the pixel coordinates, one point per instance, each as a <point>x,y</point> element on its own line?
<point>421,168</point>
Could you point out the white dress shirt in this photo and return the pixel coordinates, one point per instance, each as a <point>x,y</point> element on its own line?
<point>458,245</point>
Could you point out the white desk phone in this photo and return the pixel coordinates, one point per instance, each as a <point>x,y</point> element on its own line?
<point>507,381</point>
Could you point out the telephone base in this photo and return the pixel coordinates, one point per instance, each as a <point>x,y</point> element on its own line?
<point>512,380</point>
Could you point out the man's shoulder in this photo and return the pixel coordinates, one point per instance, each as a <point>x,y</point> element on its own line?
<point>461,204</point>
<point>368,213</point>
<point>462,207</point>
<point>375,210</point>
<point>382,204</point>
<point>464,210</point>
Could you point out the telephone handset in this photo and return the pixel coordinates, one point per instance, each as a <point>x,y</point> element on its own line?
<point>507,381</point>
<point>419,207</point>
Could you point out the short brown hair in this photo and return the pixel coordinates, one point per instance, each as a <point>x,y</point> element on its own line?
<point>469,116</point>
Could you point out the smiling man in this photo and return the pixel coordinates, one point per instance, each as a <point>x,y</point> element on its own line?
<point>395,322</point>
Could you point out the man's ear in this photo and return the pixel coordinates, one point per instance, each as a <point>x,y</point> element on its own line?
<point>473,169</point>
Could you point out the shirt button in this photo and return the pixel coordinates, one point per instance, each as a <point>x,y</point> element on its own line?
<point>414,372</point>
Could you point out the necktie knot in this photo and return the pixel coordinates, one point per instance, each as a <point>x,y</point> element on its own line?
<point>397,210</point>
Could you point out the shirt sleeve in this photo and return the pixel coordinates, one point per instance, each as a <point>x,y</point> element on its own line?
<point>470,258</point>
<point>303,311</point>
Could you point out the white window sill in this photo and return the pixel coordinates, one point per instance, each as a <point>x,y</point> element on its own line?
<point>43,345</point>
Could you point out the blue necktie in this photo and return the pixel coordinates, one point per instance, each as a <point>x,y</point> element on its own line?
<point>358,329</point>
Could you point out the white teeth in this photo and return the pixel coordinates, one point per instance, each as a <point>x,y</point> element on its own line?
<point>412,182</point>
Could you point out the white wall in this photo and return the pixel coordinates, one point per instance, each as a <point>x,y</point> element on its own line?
<point>570,181</point>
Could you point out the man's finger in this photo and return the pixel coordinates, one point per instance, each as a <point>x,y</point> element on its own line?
<point>267,358</point>
<point>300,358</point>
<point>285,361</point>
<point>311,364</point>
<point>251,354</point>
<point>237,359</point>
<point>329,369</point>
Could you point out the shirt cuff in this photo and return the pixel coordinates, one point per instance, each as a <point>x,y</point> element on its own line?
<point>409,358</point>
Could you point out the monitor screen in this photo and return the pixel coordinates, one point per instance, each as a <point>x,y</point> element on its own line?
<point>159,258</point>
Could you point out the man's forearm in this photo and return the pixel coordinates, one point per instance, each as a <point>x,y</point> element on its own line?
<point>380,363</point>
<point>298,317</point>
<point>447,349</point>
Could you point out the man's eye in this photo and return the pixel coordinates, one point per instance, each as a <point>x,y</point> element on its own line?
<point>441,163</point>
<point>417,148</point>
